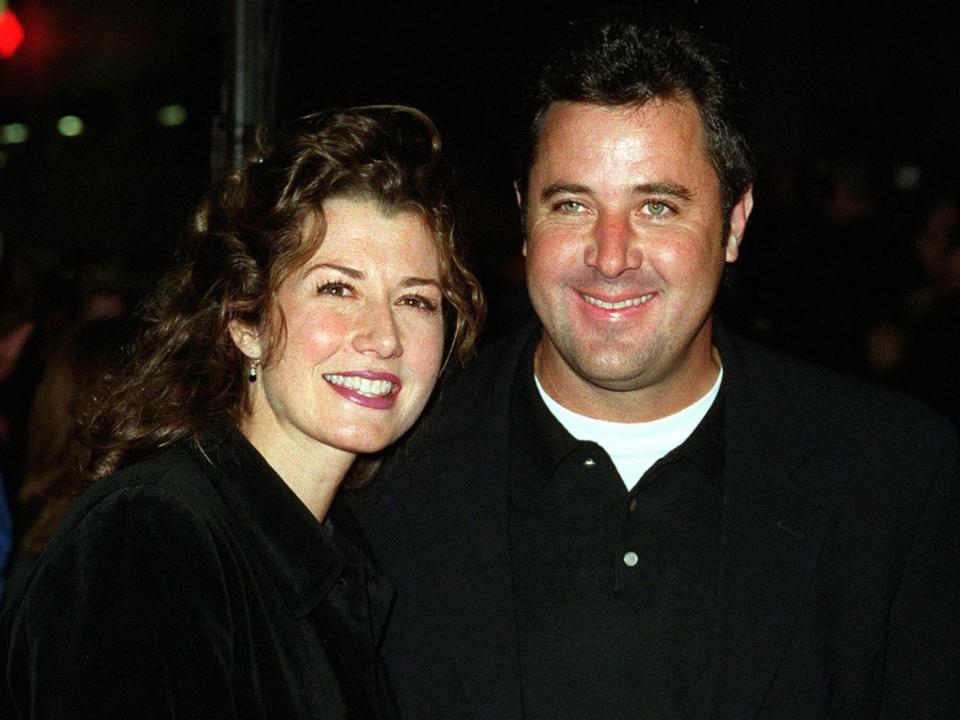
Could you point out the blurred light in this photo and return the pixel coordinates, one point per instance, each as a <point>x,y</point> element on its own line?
<point>70,126</point>
<point>172,115</point>
<point>11,33</point>
<point>907,177</point>
<point>14,133</point>
<point>4,158</point>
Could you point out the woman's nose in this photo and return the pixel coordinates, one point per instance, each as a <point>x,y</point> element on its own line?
<point>378,334</point>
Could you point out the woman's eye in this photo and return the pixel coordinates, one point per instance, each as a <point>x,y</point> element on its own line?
<point>656,209</point>
<point>335,288</point>
<point>419,302</point>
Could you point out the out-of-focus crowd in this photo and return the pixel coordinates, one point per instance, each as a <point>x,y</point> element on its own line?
<point>857,277</point>
<point>61,337</point>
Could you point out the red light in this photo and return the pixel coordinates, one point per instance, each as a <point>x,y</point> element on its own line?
<point>11,33</point>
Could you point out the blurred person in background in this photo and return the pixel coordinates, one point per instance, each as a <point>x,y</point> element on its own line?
<point>86,362</point>
<point>918,348</point>
<point>18,307</point>
<point>209,571</point>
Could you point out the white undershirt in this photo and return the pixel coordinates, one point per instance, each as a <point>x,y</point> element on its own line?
<point>634,447</point>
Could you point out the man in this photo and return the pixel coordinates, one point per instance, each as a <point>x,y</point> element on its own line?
<point>626,512</point>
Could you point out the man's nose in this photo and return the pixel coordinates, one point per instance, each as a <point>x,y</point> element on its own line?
<point>379,334</point>
<point>615,247</point>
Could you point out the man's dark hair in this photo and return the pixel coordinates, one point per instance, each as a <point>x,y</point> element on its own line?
<point>618,60</point>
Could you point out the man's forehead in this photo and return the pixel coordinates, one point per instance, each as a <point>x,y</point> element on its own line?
<point>661,126</point>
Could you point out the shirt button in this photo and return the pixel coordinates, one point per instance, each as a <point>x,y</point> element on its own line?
<point>589,463</point>
<point>633,504</point>
<point>630,559</point>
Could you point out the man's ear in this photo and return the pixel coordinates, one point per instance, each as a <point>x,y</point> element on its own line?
<point>738,224</point>
<point>523,220</point>
<point>247,339</point>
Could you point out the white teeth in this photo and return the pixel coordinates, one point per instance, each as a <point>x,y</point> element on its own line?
<point>632,302</point>
<point>371,388</point>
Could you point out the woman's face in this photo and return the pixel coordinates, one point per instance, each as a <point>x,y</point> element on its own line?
<point>364,337</point>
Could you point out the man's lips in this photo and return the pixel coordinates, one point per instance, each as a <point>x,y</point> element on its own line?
<point>377,390</point>
<point>617,304</point>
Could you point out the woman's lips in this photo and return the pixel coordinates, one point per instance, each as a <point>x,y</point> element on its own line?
<point>377,390</point>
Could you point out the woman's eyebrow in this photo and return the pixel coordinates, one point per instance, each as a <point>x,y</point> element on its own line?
<point>417,281</point>
<point>345,269</point>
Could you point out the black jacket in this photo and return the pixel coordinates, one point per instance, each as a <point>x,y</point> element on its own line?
<point>197,585</point>
<point>839,585</point>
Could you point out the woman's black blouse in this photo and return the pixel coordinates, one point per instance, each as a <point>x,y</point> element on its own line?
<point>197,585</point>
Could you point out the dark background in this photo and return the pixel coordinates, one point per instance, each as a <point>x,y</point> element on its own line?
<point>863,90</point>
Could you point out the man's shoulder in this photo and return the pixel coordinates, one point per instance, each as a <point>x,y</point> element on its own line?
<point>494,366</point>
<point>481,392</point>
<point>467,423</point>
<point>831,403</point>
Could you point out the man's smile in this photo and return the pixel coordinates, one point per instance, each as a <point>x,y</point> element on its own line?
<point>619,305</point>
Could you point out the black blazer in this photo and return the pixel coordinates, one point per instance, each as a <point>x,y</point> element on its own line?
<point>197,585</point>
<point>839,589</point>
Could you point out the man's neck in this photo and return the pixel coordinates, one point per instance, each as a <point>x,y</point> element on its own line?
<point>644,403</point>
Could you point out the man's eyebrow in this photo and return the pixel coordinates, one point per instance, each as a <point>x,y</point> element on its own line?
<point>654,188</point>
<point>562,189</point>
<point>663,188</point>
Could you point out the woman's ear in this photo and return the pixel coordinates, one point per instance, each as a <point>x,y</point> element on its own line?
<point>247,339</point>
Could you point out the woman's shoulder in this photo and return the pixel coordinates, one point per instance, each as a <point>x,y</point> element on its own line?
<point>173,476</point>
<point>146,528</point>
<point>162,506</point>
<point>138,573</point>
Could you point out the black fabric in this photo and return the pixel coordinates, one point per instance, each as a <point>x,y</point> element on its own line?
<point>197,585</point>
<point>838,593</point>
<point>643,632</point>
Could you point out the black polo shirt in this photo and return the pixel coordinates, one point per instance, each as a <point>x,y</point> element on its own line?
<point>614,589</point>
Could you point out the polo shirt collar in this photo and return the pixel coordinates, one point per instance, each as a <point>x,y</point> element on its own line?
<point>539,442</point>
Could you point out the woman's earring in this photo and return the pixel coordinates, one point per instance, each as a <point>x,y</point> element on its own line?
<point>252,375</point>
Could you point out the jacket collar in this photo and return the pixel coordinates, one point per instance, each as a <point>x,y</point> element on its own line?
<point>772,531</point>
<point>304,557</point>
<point>458,512</point>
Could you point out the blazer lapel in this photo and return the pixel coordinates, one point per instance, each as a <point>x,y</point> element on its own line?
<point>459,515</point>
<point>772,534</point>
<point>465,560</point>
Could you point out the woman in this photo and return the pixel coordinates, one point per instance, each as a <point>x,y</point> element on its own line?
<point>305,327</point>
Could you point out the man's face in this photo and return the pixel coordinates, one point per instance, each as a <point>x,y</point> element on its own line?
<point>624,256</point>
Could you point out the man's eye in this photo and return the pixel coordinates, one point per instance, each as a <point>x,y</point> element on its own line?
<point>570,207</point>
<point>656,209</point>
<point>335,288</point>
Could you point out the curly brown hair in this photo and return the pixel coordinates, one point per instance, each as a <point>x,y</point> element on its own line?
<point>247,236</point>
